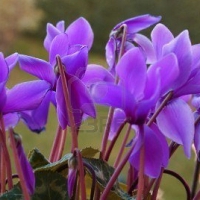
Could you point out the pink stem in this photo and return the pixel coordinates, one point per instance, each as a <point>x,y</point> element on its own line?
<point>82,175</point>
<point>68,104</point>
<point>18,166</point>
<point>122,147</point>
<point>55,145</point>
<point>116,174</point>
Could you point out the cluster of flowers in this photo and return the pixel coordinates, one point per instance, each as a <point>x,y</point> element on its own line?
<point>150,85</point>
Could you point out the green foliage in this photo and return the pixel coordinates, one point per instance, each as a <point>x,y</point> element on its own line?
<point>51,181</point>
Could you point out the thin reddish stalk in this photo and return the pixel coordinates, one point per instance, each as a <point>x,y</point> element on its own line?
<point>55,145</point>
<point>111,110</point>
<point>122,146</point>
<point>68,104</point>
<point>116,174</point>
<point>107,155</point>
<point>140,190</point>
<point>6,168</point>
<point>61,145</point>
<point>18,166</point>
<point>82,175</point>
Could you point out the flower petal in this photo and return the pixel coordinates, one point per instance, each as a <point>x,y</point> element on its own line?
<point>132,71</point>
<point>4,69</point>
<point>153,153</point>
<point>25,96</point>
<point>96,73</point>
<point>110,54</point>
<point>80,32</point>
<point>168,71</point>
<point>59,46</point>
<point>181,46</point>
<point>146,46</point>
<point>112,95</point>
<point>176,122</point>
<point>37,67</point>
<point>138,23</point>
<point>76,63</point>
<point>11,60</point>
<point>52,32</point>
<point>118,119</point>
<point>160,35</point>
<point>36,119</point>
<point>11,120</point>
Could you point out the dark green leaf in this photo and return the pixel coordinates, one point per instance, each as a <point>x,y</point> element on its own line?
<point>36,159</point>
<point>14,194</point>
<point>50,186</point>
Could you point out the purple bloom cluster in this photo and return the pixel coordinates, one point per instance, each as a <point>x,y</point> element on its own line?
<point>149,84</point>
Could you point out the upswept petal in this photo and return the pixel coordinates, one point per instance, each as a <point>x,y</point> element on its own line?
<point>160,36</point>
<point>37,67</point>
<point>168,71</point>
<point>76,63</point>
<point>181,46</point>
<point>36,119</point>
<point>153,153</point>
<point>113,95</point>
<point>195,56</point>
<point>197,139</point>
<point>176,122</point>
<point>96,73</point>
<point>146,46</point>
<point>80,96</point>
<point>80,32</point>
<point>25,96</point>
<point>192,86</point>
<point>11,60</point>
<point>118,118</point>
<point>131,70</point>
<point>59,46</point>
<point>111,48</point>
<point>52,32</point>
<point>4,69</point>
<point>11,120</point>
<point>138,23</point>
<point>61,26</point>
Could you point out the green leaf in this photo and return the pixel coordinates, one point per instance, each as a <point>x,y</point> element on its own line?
<point>89,152</point>
<point>50,186</point>
<point>14,194</point>
<point>37,159</point>
<point>103,174</point>
<point>60,166</point>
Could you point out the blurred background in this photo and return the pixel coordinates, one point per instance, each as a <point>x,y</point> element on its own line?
<point>23,28</point>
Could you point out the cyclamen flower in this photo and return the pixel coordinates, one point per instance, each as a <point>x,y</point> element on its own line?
<point>185,81</point>
<point>136,98</point>
<point>79,32</point>
<point>133,25</point>
<point>23,96</point>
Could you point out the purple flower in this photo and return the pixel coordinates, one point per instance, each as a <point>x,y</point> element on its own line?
<point>74,59</point>
<point>78,32</point>
<point>133,25</point>
<point>23,96</point>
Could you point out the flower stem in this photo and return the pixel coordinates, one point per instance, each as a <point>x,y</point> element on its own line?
<point>55,145</point>
<point>122,146</point>
<point>116,174</point>
<point>195,178</point>
<point>68,104</point>
<point>5,158</point>
<point>18,166</point>
<point>107,155</point>
<point>82,174</point>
